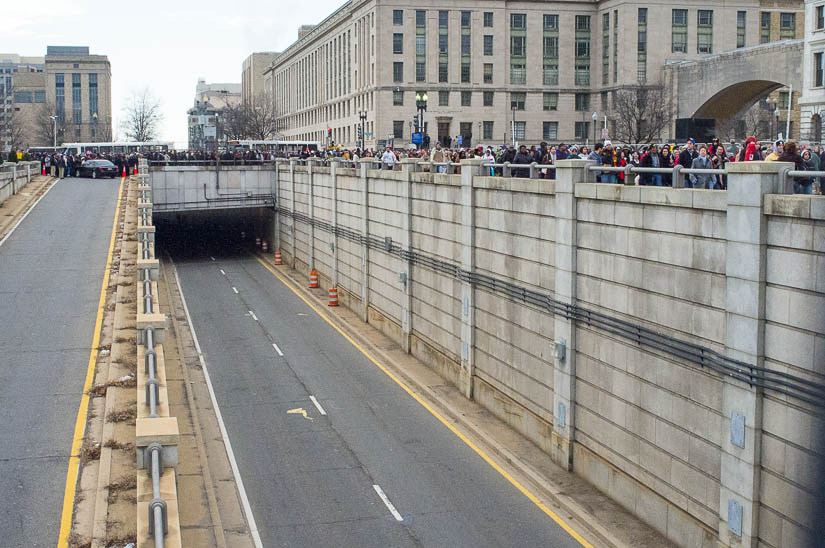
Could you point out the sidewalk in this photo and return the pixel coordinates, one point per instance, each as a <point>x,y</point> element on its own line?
<point>585,509</point>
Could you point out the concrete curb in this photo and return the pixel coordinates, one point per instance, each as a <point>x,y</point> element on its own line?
<point>554,493</point>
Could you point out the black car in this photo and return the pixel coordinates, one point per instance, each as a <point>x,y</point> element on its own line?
<point>98,169</point>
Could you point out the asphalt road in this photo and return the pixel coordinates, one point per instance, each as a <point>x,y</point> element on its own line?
<point>310,480</point>
<point>51,269</point>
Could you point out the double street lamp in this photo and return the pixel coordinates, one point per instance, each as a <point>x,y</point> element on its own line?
<point>362,115</point>
<point>595,123</point>
<point>421,100</point>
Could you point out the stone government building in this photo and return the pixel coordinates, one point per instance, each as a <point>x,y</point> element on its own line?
<point>69,83</point>
<point>543,67</point>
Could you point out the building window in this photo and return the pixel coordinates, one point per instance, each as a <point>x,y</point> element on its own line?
<point>398,129</point>
<point>488,98</point>
<point>443,19</point>
<point>518,74</point>
<point>583,48</point>
<point>582,102</point>
<point>787,26</point>
<point>92,95</point>
<point>551,101</point>
<point>550,130</point>
<point>465,73</point>
<point>518,46</point>
<point>517,101</point>
<point>420,72</point>
<point>443,98</point>
<point>582,130</point>
<point>40,97</point>
<point>23,97</point>
<point>60,97</point>
<point>551,21</point>
<point>518,21</point>
<point>488,73</point>
<point>398,72</point>
<point>466,98</point>
<point>641,16</point>
<point>765,27</point>
<point>606,48</point>
<point>704,32</point>
<point>641,46</point>
<point>550,74</point>
<point>398,42</point>
<point>583,23</point>
<point>520,129</point>
<point>420,45</point>
<point>443,43</point>
<point>420,18</point>
<point>442,72</point>
<point>465,44</point>
<point>551,46</point>
<point>488,44</point>
<point>819,69</point>
<point>582,74</point>
<point>488,18</point>
<point>679,31</point>
<point>397,17</point>
<point>820,17</point>
<point>397,97</point>
<point>77,106</point>
<point>741,17</point>
<point>465,19</point>
<point>487,129</point>
<point>784,97</point>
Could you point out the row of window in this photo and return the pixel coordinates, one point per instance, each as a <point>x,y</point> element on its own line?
<point>550,100</point>
<point>77,106</point>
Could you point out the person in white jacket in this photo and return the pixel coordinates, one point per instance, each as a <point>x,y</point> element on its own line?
<point>388,159</point>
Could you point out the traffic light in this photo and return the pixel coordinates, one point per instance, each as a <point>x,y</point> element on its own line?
<point>329,132</point>
<point>415,122</point>
<point>360,133</point>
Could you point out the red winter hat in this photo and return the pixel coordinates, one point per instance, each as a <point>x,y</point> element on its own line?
<point>750,139</point>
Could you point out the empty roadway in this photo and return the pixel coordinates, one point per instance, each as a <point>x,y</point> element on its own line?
<point>310,480</point>
<point>51,270</point>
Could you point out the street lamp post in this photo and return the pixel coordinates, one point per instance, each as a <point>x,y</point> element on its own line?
<point>54,133</point>
<point>513,107</point>
<point>480,135</point>
<point>362,115</point>
<point>595,123</point>
<point>421,100</point>
<point>776,125</point>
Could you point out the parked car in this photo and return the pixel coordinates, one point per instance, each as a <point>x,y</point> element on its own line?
<point>98,168</point>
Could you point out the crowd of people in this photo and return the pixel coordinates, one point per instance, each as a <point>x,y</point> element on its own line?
<point>713,156</point>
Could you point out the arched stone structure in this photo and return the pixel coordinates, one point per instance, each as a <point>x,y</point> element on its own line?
<point>719,86</point>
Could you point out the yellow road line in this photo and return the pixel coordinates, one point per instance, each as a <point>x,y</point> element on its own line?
<point>80,423</point>
<point>533,498</point>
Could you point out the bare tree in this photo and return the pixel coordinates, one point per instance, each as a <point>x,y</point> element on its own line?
<point>12,129</point>
<point>142,116</point>
<point>45,126</point>
<point>260,116</point>
<point>232,122</point>
<point>642,113</point>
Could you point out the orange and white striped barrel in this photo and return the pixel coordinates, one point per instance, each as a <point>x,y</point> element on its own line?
<point>333,296</point>
<point>313,278</point>
<point>257,242</point>
<point>278,257</point>
<point>264,245</point>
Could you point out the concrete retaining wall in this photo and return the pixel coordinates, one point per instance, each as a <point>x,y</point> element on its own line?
<point>738,273</point>
<point>178,188</point>
<point>13,177</point>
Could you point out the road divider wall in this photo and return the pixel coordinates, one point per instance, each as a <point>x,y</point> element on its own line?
<point>157,433</point>
<point>666,344</point>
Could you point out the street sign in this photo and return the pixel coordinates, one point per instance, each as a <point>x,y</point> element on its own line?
<point>460,140</point>
<point>368,134</point>
<point>604,133</point>
<point>417,138</point>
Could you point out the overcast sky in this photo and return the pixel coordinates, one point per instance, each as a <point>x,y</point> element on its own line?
<point>165,46</point>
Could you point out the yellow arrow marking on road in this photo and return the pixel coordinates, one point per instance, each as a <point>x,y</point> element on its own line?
<point>300,411</point>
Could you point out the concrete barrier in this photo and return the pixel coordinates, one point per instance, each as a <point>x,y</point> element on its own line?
<point>508,287</point>
<point>157,435</point>
<point>14,177</point>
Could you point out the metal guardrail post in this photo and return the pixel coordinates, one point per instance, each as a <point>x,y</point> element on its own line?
<point>505,170</point>
<point>678,177</point>
<point>534,172</point>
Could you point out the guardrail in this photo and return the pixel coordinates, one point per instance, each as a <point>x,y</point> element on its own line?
<point>156,433</point>
<point>15,176</point>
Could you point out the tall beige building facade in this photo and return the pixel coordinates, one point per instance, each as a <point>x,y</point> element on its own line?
<point>494,70</point>
<point>68,83</point>
<point>252,75</point>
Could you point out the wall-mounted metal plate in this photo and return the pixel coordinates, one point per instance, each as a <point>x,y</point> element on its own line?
<point>737,429</point>
<point>735,517</point>
<point>561,415</point>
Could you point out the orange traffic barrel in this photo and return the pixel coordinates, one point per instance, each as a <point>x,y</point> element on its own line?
<point>278,257</point>
<point>333,296</point>
<point>313,278</point>
<point>264,245</point>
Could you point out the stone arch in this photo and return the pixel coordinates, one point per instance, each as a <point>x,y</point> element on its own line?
<point>731,100</point>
